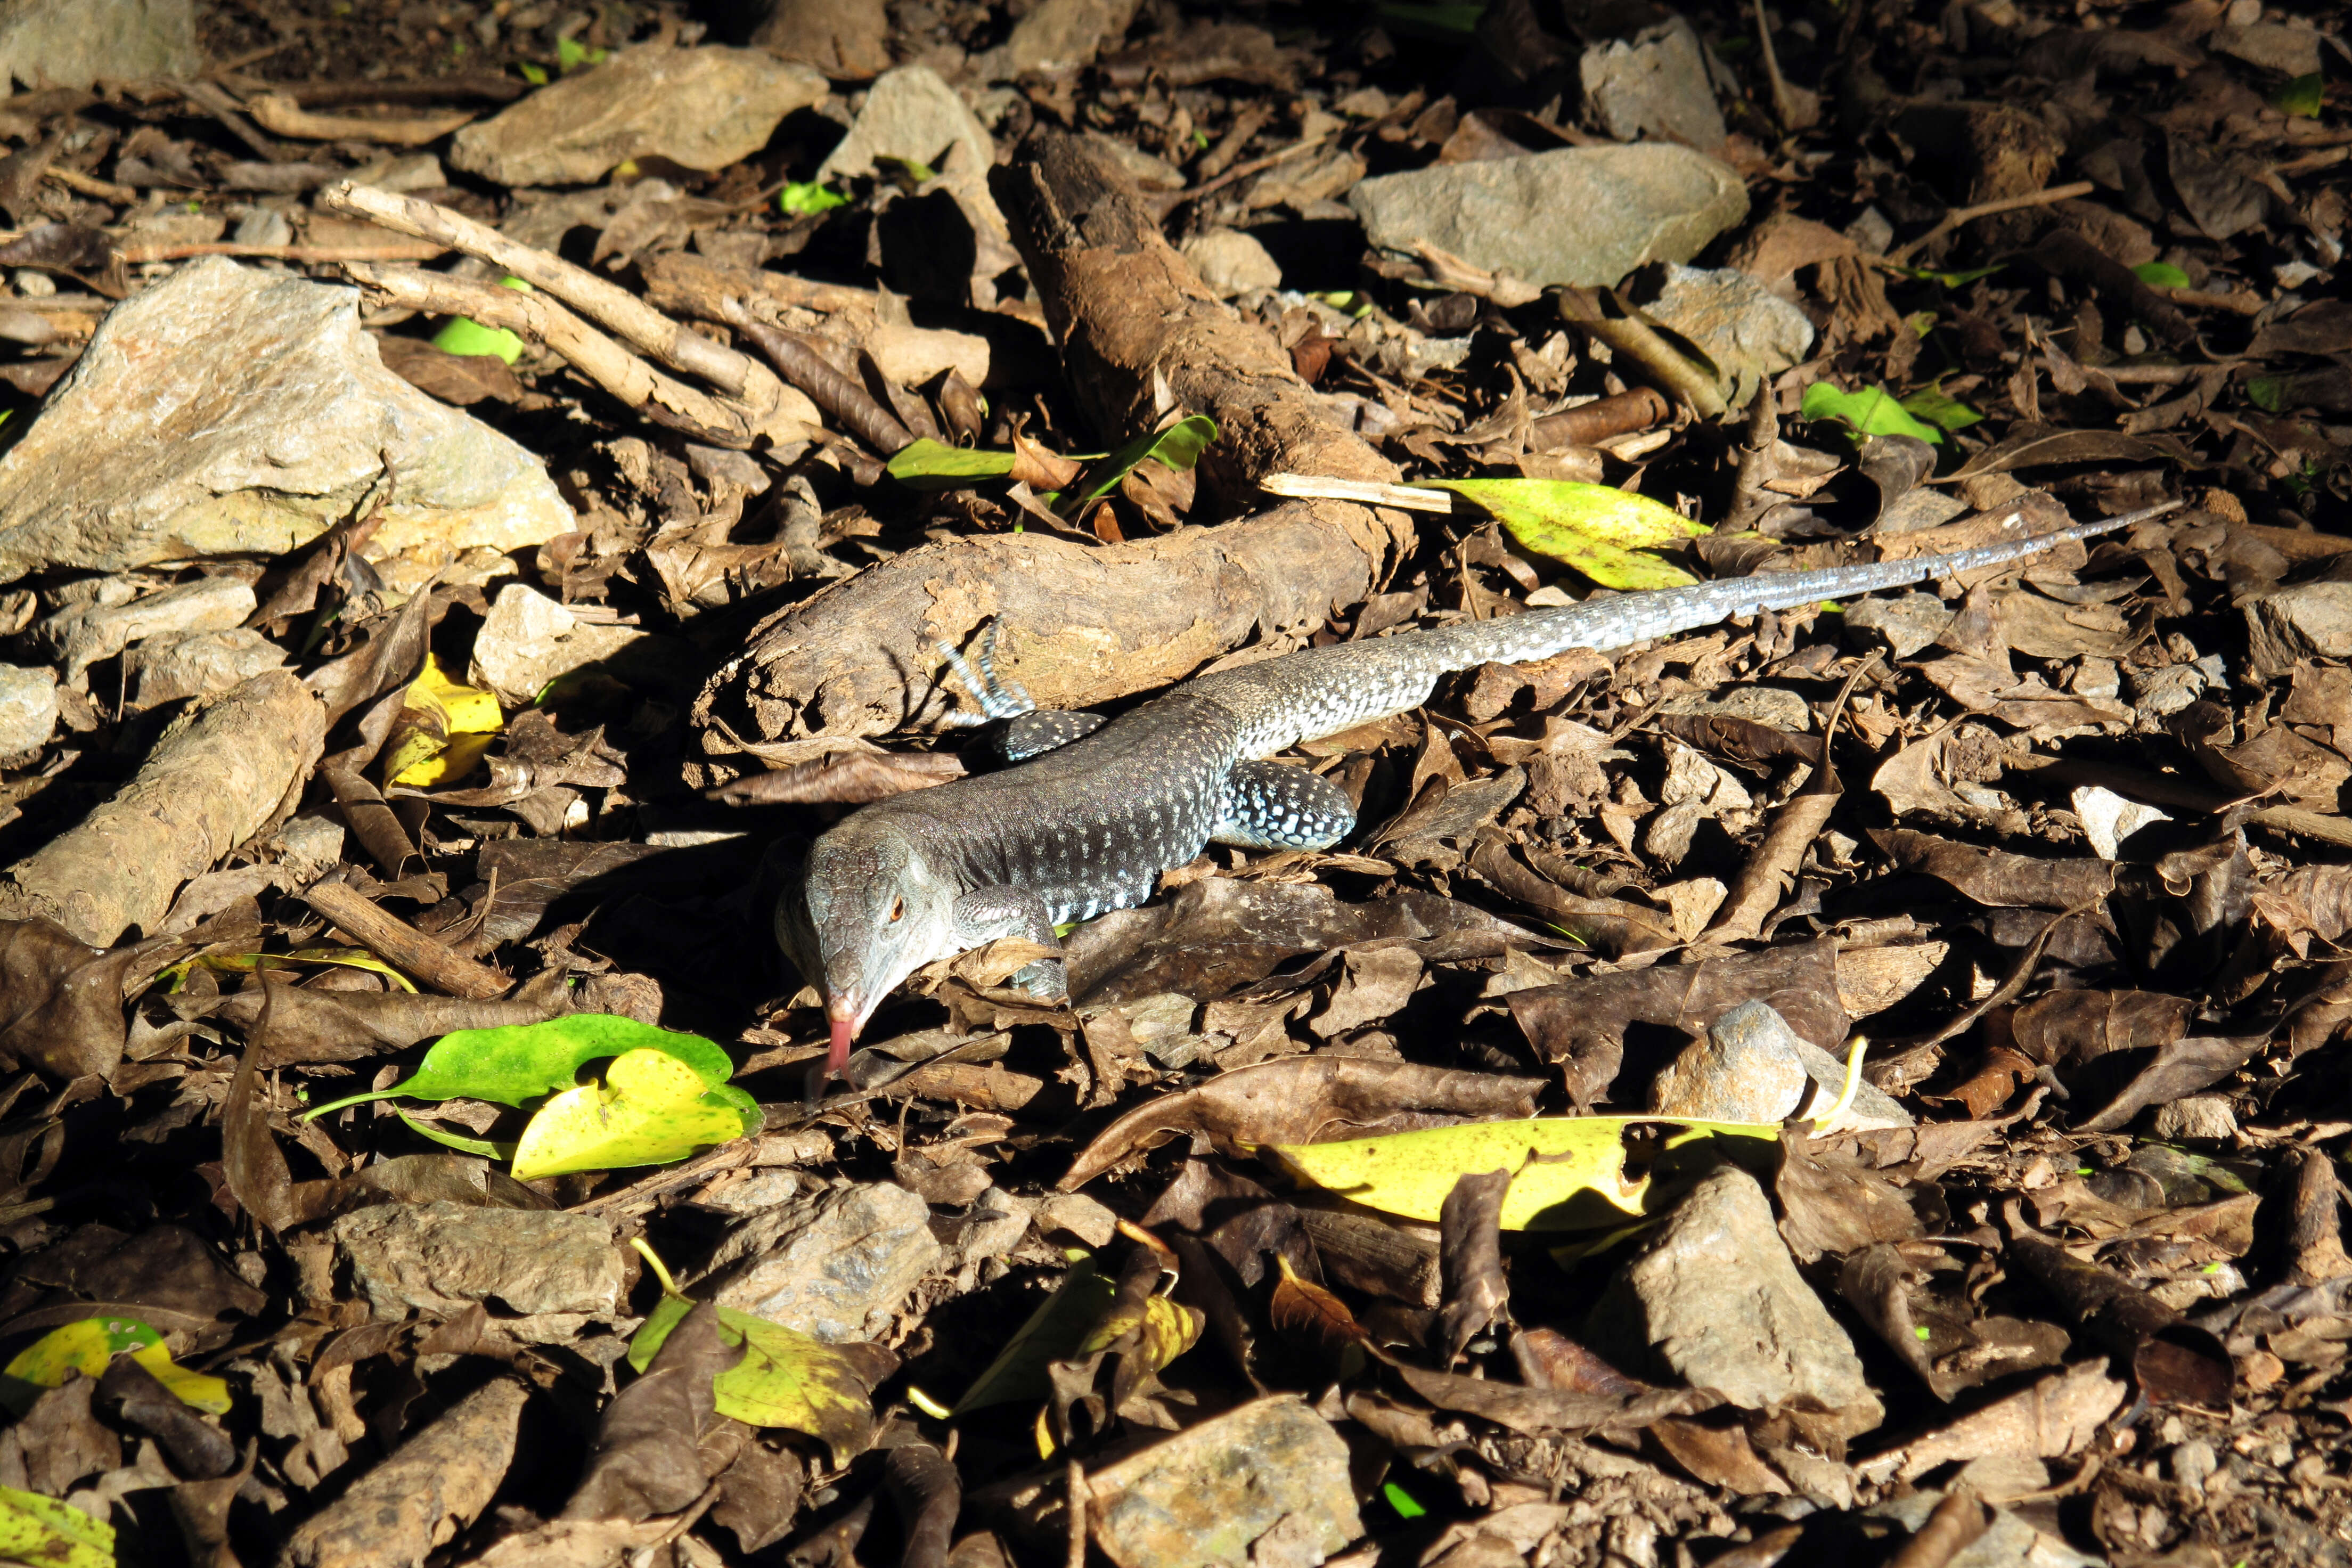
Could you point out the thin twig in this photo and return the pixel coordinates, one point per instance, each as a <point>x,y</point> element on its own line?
<point>1074,1549</point>
<point>1174,199</point>
<point>1951,220</point>
<point>279,113</point>
<point>425,252</point>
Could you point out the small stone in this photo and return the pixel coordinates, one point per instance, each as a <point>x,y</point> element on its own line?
<point>1227,1491</point>
<point>703,108</point>
<point>1080,1216</point>
<point>1150,173</point>
<point>1906,623</point>
<point>2193,1463</point>
<point>28,708</point>
<point>2273,46</point>
<point>73,43</point>
<point>1654,83</point>
<point>230,411</point>
<point>2166,689</point>
<point>2310,620</point>
<point>1750,332</point>
<point>1061,35</point>
<point>844,1269</point>
<point>756,1194</point>
<point>2208,1118</point>
<point>439,1258</point>
<point>912,113</point>
<point>1230,262</point>
<point>2108,819</point>
<point>174,665</point>
<point>1720,1301</point>
<point>528,639</point>
<point>2004,1478</point>
<point>1605,210</point>
<point>310,842</point>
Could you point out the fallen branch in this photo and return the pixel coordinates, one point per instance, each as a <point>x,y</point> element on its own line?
<point>402,945</point>
<point>218,776</point>
<point>1953,219</point>
<point>276,112</point>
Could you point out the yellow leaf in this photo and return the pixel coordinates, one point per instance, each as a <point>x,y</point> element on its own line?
<point>443,729</point>
<point>1597,529</point>
<point>651,1108</point>
<point>88,1346</point>
<point>37,1529</point>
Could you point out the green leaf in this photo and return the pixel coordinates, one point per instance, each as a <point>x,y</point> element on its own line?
<point>785,1378</point>
<point>1597,529</point>
<point>39,1529</point>
<point>1179,447</point>
<point>651,1108</point>
<point>1874,411</point>
<point>524,1061</point>
<point>928,465</point>
<point>535,75</point>
<point>1930,403</point>
<point>802,198</point>
<point>2301,96</point>
<point>88,1347</point>
<point>1952,279</point>
<point>2161,275</point>
<point>1052,1332</point>
<point>483,1147</point>
<point>464,335</point>
<point>572,54</point>
<point>1558,1162</point>
<point>908,171</point>
<point>1397,1498</point>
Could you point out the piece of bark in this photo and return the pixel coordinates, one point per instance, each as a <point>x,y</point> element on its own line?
<point>217,777</point>
<point>1081,624</point>
<point>419,1497</point>
<point>402,945</point>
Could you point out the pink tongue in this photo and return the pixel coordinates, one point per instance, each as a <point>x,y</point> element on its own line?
<point>836,1062</point>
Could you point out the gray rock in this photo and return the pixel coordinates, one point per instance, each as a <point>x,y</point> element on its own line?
<point>1150,173</point>
<point>703,108</point>
<point>2200,1116</point>
<point>84,634</point>
<point>1230,262</point>
<point>1720,1302</point>
<point>310,842</point>
<point>72,43</point>
<point>2309,620</point>
<point>232,411</point>
<point>174,665</point>
<point>1752,1067</point>
<point>555,1271</point>
<point>1655,83</point>
<point>2273,46</point>
<point>1906,623</point>
<point>1059,35</point>
<point>840,1269</point>
<point>28,708</point>
<point>1750,332</point>
<point>1582,215</point>
<point>912,113</point>
<point>1230,1490</point>
<point>528,639</point>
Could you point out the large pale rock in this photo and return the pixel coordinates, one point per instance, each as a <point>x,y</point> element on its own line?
<point>1720,1301</point>
<point>703,108</point>
<point>2309,620</point>
<point>230,411</point>
<point>1580,216</point>
<point>72,43</point>
<point>840,1270</point>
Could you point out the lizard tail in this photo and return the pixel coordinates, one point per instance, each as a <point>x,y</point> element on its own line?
<point>1619,619</point>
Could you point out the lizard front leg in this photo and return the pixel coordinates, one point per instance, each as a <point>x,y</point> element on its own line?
<point>986,913</point>
<point>1028,728</point>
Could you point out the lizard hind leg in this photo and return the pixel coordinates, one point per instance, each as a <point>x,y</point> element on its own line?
<point>1272,805</point>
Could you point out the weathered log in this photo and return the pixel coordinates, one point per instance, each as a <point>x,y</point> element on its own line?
<point>1081,624</point>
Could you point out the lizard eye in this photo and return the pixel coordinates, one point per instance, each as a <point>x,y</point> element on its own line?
<point>897,911</point>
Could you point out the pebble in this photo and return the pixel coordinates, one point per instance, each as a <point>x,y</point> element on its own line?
<point>528,639</point>
<point>1752,1067</point>
<point>1606,210</point>
<point>1230,262</point>
<point>2193,1464</point>
<point>28,708</point>
<point>1750,332</point>
<point>843,1271</point>
<point>1262,1484</point>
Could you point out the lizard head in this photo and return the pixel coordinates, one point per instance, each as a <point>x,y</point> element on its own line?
<point>864,913</point>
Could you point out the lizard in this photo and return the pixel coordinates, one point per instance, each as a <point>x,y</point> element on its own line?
<point>1093,810</point>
